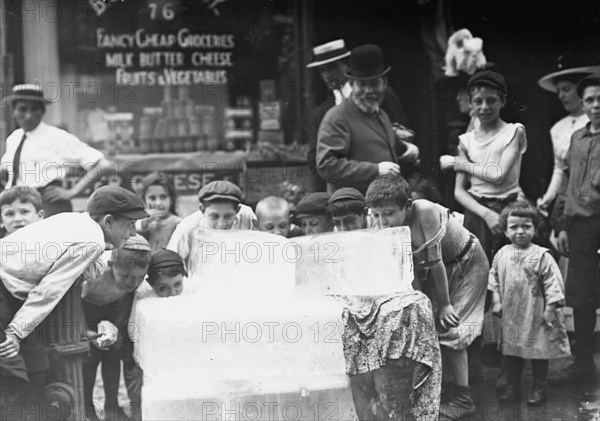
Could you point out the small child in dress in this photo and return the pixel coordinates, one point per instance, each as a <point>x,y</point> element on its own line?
<point>19,206</point>
<point>160,197</point>
<point>273,215</point>
<point>165,279</point>
<point>311,213</point>
<point>528,294</point>
<point>108,298</point>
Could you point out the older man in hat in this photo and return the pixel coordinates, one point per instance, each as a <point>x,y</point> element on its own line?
<point>356,140</point>
<point>40,155</point>
<point>331,61</point>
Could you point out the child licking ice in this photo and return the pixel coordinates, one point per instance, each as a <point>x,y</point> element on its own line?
<point>273,215</point>
<point>165,279</point>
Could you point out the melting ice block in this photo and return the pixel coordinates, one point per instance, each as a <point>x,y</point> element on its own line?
<point>241,264</point>
<point>364,262</point>
<point>256,336</point>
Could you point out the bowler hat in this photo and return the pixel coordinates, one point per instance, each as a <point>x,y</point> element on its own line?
<point>329,52</point>
<point>488,78</point>
<point>366,62</point>
<point>26,92</point>
<point>591,80</point>
<point>116,200</point>
<point>220,189</point>
<point>312,204</point>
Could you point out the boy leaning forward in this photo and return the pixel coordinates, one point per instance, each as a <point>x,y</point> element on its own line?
<point>40,262</point>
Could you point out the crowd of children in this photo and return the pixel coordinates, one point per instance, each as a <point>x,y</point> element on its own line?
<point>452,257</point>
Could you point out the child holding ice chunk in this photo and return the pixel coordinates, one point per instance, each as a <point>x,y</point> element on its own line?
<point>160,198</point>
<point>107,302</point>
<point>165,279</point>
<point>273,215</point>
<point>459,270</point>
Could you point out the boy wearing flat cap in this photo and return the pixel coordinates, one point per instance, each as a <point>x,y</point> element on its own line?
<point>311,213</point>
<point>579,229</point>
<point>41,261</point>
<point>220,208</point>
<point>347,209</point>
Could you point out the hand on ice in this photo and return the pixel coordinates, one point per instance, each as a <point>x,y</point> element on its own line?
<point>107,334</point>
<point>497,309</point>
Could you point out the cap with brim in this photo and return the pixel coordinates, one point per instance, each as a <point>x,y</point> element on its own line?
<point>116,200</point>
<point>591,80</point>
<point>346,193</point>
<point>488,78</point>
<point>26,92</point>
<point>330,52</point>
<point>220,190</point>
<point>366,62</point>
<point>312,204</point>
<point>163,259</point>
<point>547,82</point>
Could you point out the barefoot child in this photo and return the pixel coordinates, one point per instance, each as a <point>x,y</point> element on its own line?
<point>528,292</point>
<point>311,213</point>
<point>459,270</point>
<point>160,197</point>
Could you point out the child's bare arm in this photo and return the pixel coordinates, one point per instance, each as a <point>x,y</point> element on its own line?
<point>494,173</point>
<point>429,220</point>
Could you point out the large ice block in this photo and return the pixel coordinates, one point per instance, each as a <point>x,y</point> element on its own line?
<point>203,356</point>
<point>364,262</point>
<point>241,263</point>
<point>189,336</point>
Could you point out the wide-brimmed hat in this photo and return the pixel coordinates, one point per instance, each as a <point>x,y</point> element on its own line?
<point>26,92</point>
<point>576,61</point>
<point>326,53</point>
<point>366,62</point>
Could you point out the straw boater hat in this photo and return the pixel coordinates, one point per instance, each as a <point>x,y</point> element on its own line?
<point>326,53</point>
<point>26,92</point>
<point>572,63</point>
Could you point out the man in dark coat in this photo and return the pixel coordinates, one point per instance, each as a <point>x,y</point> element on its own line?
<point>356,139</point>
<point>331,61</point>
